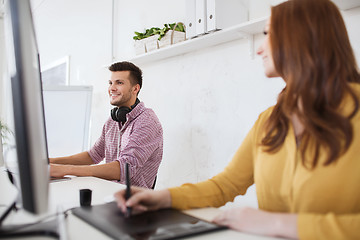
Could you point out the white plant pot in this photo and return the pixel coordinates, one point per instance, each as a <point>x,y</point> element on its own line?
<point>176,37</point>
<point>151,43</point>
<point>146,45</point>
<point>139,46</point>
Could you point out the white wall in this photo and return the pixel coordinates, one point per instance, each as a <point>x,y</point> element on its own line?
<point>137,15</point>
<point>206,100</point>
<point>2,70</point>
<point>79,29</point>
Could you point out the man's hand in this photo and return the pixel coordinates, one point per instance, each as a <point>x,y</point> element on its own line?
<point>58,170</point>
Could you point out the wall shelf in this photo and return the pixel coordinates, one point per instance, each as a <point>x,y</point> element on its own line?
<point>244,30</point>
<point>347,4</point>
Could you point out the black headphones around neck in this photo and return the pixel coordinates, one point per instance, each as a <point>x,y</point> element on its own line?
<point>119,113</point>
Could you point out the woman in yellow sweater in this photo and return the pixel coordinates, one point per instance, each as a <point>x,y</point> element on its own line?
<point>303,154</point>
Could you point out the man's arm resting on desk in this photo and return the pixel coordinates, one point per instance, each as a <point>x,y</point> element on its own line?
<point>77,159</point>
<point>108,171</point>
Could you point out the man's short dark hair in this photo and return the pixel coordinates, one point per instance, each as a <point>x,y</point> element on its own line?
<point>135,71</point>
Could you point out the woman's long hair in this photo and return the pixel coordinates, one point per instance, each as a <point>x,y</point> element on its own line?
<point>312,53</point>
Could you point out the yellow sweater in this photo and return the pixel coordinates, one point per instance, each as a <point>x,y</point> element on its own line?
<point>326,199</point>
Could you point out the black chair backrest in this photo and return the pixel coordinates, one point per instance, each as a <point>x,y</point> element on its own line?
<point>153,186</point>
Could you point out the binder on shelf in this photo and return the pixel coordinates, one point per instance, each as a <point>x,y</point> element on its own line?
<point>190,26</point>
<point>222,14</point>
<point>200,6</point>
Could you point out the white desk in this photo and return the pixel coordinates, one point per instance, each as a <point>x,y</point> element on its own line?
<point>66,195</point>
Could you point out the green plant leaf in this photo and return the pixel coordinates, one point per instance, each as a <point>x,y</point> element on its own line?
<point>180,27</point>
<point>161,31</point>
<point>4,131</point>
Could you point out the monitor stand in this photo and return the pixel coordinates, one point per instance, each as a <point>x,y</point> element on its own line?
<point>53,228</point>
<point>46,228</point>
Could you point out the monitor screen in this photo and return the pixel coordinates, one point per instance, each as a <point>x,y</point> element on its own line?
<point>29,123</point>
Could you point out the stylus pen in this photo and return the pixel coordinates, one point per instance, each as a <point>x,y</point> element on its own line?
<point>128,190</point>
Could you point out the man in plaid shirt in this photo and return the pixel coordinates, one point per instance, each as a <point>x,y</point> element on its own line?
<point>133,134</point>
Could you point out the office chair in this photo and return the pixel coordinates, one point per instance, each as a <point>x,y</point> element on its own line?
<point>153,186</point>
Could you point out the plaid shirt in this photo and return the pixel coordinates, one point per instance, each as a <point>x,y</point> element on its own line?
<point>138,142</point>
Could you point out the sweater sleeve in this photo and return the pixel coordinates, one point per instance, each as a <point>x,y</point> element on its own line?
<point>224,187</point>
<point>328,226</point>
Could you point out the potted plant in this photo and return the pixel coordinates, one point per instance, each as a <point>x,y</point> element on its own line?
<point>174,33</point>
<point>154,38</point>
<point>146,41</point>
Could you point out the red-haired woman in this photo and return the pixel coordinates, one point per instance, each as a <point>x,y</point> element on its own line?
<point>303,154</point>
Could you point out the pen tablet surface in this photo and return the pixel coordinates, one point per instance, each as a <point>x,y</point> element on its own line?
<point>161,224</point>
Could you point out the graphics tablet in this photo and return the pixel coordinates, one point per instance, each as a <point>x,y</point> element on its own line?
<point>161,224</point>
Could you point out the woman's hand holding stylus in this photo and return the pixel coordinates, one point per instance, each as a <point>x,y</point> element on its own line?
<point>143,200</point>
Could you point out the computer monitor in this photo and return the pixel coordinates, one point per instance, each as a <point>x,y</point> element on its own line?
<point>29,121</point>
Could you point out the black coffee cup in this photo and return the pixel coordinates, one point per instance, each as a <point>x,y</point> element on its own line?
<point>85,197</point>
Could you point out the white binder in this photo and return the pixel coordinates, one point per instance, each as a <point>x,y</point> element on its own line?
<point>225,13</point>
<point>190,22</point>
<point>200,17</point>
